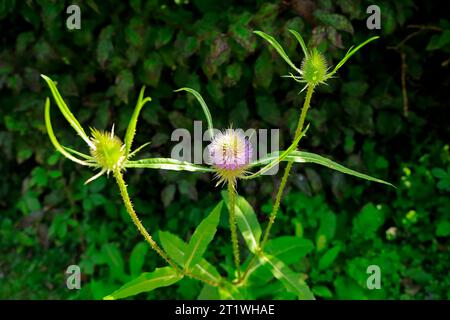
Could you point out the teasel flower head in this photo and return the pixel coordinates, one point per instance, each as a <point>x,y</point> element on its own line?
<point>314,68</point>
<point>231,154</point>
<point>109,151</point>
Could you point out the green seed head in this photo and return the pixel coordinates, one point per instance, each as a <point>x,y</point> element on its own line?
<point>314,68</point>
<point>109,151</point>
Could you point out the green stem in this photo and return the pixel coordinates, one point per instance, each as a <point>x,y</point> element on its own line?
<point>287,170</point>
<point>232,220</point>
<point>137,222</point>
<point>129,206</point>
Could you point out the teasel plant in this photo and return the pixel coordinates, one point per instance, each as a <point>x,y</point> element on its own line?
<point>312,72</point>
<point>230,162</point>
<point>109,155</point>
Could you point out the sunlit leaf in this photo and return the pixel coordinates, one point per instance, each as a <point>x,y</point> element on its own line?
<point>177,248</point>
<point>274,43</point>
<point>275,161</point>
<point>131,130</point>
<point>289,249</point>
<point>167,164</point>
<point>300,40</point>
<point>55,142</point>
<point>229,291</point>
<point>66,111</point>
<point>308,157</point>
<point>137,258</point>
<point>203,105</point>
<point>201,238</point>
<point>148,281</point>
<point>350,52</point>
<point>291,280</point>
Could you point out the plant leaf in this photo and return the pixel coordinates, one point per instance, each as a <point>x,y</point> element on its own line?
<point>56,144</point>
<point>202,236</point>
<point>147,281</point>
<point>277,160</point>
<point>66,111</point>
<point>328,257</point>
<point>131,130</point>
<point>247,222</point>
<point>137,258</point>
<point>229,291</point>
<point>113,258</point>
<point>308,157</point>
<point>209,293</point>
<point>274,43</point>
<point>205,108</point>
<point>177,248</point>
<point>439,173</point>
<point>166,164</point>
<point>300,40</point>
<point>350,52</point>
<point>291,280</point>
<point>289,249</point>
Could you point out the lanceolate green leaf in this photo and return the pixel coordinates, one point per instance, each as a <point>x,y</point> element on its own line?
<point>137,258</point>
<point>274,43</point>
<point>350,52</point>
<point>177,248</point>
<point>131,130</point>
<point>289,249</point>
<point>55,142</point>
<point>291,280</point>
<point>204,107</point>
<point>113,257</point>
<point>300,40</point>
<point>308,157</point>
<point>277,160</point>
<point>148,281</point>
<point>202,236</point>
<point>167,164</point>
<point>328,257</point>
<point>247,222</point>
<point>209,293</point>
<point>66,111</point>
<point>174,246</point>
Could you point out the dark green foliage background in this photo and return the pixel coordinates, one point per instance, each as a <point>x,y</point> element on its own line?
<point>50,220</point>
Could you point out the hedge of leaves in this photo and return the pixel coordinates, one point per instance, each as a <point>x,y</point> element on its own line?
<point>49,220</point>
